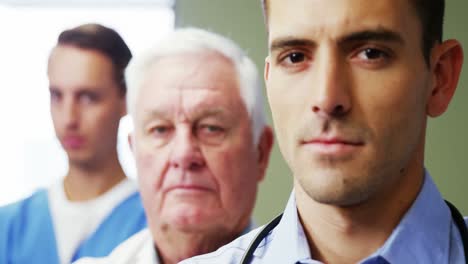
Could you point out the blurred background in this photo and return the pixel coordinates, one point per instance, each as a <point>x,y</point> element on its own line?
<point>30,156</point>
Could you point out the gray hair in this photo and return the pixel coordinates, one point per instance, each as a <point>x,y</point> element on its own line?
<point>198,40</point>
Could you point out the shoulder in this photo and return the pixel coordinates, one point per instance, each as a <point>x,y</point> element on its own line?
<point>229,253</point>
<point>133,200</point>
<point>129,212</point>
<point>19,220</point>
<point>23,209</point>
<point>128,251</point>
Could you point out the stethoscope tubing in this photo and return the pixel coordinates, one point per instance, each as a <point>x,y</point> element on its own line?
<point>456,216</point>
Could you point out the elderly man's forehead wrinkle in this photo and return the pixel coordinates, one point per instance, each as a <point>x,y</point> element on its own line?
<point>187,81</point>
<point>181,116</point>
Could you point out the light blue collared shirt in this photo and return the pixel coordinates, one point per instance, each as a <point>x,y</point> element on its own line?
<point>426,234</point>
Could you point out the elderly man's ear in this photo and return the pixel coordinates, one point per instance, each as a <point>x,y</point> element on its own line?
<point>264,147</point>
<point>130,142</point>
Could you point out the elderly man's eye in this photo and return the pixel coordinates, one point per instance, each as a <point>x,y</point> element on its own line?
<point>211,134</point>
<point>159,131</point>
<point>211,129</point>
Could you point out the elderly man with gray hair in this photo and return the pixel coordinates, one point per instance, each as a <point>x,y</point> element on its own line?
<point>201,145</point>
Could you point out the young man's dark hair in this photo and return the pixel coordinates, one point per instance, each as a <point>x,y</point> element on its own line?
<point>104,40</point>
<point>431,15</point>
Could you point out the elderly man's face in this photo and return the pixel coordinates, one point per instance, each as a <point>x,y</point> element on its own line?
<point>197,165</point>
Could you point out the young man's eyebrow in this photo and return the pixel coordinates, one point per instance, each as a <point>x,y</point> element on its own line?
<point>378,34</point>
<point>53,88</point>
<point>287,42</point>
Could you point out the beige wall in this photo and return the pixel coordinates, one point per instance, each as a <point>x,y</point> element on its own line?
<point>446,157</point>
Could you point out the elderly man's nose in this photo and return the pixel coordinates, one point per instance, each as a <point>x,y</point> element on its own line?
<point>186,153</point>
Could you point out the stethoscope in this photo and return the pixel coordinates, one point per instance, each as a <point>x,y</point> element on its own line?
<point>456,216</point>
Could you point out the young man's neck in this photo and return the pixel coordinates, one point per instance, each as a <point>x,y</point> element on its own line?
<point>350,234</point>
<point>88,181</point>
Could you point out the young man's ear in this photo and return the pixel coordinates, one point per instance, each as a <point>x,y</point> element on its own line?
<point>264,147</point>
<point>446,64</point>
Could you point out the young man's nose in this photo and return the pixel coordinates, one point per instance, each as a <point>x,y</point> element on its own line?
<point>71,114</point>
<point>331,90</point>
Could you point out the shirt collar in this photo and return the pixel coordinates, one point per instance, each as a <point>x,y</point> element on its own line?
<point>142,250</point>
<point>423,234</point>
<point>251,226</point>
<point>288,240</point>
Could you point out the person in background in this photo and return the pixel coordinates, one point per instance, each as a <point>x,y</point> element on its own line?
<point>201,145</point>
<point>95,206</point>
<point>351,85</point>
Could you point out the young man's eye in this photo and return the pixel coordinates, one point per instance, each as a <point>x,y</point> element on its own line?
<point>372,54</point>
<point>373,58</point>
<point>296,57</point>
<point>87,98</point>
<point>55,96</point>
<point>293,58</point>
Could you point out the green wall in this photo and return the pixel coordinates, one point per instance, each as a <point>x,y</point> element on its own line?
<point>446,157</point>
<point>447,142</point>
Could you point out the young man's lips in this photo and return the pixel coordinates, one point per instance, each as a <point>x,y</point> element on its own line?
<point>332,146</point>
<point>73,142</point>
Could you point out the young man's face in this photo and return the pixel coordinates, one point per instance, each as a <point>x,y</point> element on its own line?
<point>348,87</point>
<point>85,103</point>
<point>197,165</point>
